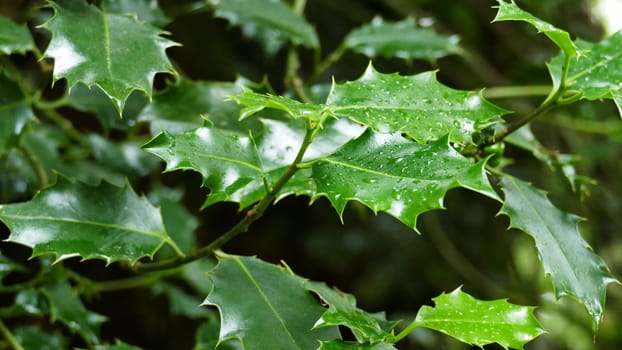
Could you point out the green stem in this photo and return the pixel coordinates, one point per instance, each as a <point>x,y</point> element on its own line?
<point>251,216</point>
<point>42,104</point>
<point>9,336</point>
<point>132,282</point>
<point>599,127</point>
<point>328,61</point>
<point>516,91</point>
<point>36,165</point>
<point>555,98</point>
<point>406,331</point>
<point>519,123</point>
<point>291,75</point>
<point>66,125</point>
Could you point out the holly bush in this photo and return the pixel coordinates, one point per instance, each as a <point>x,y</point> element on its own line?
<point>127,178</point>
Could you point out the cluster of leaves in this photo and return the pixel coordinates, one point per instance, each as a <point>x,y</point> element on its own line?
<point>393,143</point>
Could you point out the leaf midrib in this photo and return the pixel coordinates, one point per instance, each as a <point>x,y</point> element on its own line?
<point>88,222</point>
<point>595,66</point>
<point>538,215</point>
<point>107,44</point>
<point>267,301</point>
<point>375,172</point>
<point>232,160</point>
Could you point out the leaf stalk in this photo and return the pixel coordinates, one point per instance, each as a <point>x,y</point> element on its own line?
<point>9,337</point>
<point>405,332</point>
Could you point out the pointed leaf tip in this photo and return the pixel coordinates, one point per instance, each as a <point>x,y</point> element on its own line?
<point>85,44</point>
<point>511,12</point>
<point>574,268</point>
<point>480,323</point>
<point>389,173</point>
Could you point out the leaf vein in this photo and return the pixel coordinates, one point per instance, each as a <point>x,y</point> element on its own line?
<point>88,222</point>
<point>558,245</point>
<point>267,301</point>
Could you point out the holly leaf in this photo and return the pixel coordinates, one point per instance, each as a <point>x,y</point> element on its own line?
<point>401,39</point>
<point>389,173</point>
<point>144,10</point>
<point>596,75</point>
<point>185,104</point>
<point>73,219</point>
<point>233,166</point>
<point>271,22</point>
<point>15,113</point>
<point>94,100</point>
<point>416,105</point>
<point>341,345</point>
<point>342,310</point>
<point>255,103</point>
<point>14,38</point>
<point>478,322</point>
<point>67,308</point>
<point>264,306</point>
<point>35,338</point>
<point>574,268</point>
<point>90,46</point>
<point>511,12</point>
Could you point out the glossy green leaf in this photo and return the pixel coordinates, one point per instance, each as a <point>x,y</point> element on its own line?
<point>73,219</point>
<point>480,322</point>
<point>401,39</point>
<point>14,38</point>
<point>15,113</point>
<point>271,22</point>
<point>265,306</point>
<point>144,10</point>
<point>574,268</point>
<point>90,46</point>
<point>511,12</point>
<point>124,157</point>
<point>341,345</point>
<point>255,102</point>
<point>67,308</point>
<point>596,75</point>
<point>35,338</point>
<point>389,173</point>
<point>342,310</point>
<point>416,105</point>
<point>185,104</point>
<point>233,166</point>
<point>94,100</point>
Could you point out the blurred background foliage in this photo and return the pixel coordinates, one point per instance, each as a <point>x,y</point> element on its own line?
<point>385,264</point>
